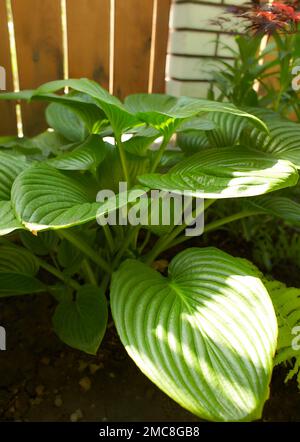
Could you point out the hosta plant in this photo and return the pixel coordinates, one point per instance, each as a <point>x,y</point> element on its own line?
<point>204,331</point>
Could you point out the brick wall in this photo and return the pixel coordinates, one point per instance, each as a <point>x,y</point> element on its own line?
<point>194,43</point>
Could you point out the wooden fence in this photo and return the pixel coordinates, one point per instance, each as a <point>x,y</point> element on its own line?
<point>121,44</point>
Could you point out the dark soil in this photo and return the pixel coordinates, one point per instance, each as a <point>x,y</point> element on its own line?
<point>41,379</point>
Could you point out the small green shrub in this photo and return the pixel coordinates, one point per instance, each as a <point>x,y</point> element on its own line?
<point>206,332</point>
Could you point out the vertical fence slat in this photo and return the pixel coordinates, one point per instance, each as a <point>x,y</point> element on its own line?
<point>161,45</point>
<point>88,39</point>
<point>39,51</point>
<point>8,124</point>
<point>133,26</point>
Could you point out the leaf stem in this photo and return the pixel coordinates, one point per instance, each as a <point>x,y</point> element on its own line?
<point>86,267</point>
<point>86,249</point>
<point>215,225</point>
<point>124,247</point>
<point>123,159</point>
<point>164,242</point>
<point>160,153</point>
<point>145,242</point>
<point>229,219</point>
<point>46,266</point>
<point>59,275</point>
<point>109,238</point>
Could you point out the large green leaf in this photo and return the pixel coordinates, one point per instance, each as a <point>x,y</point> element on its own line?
<point>192,141</point>
<point>6,141</point>
<point>170,158</point>
<point>21,95</point>
<point>41,244</point>
<point>85,156</point>
<point>65,122</point>
<point>40,146</point>
<point>81,323</point>
<point>196,123</point>
<point>119,117</point>
<point>282,141</point>
<point>205,335</point>
<point>279,206</point>
<point>86,110</point>
<point>14,259</point>
<point>11,165</point>
<point>227,131</point>
<point>48,142</point>
<point>8,221</point>
<point>14,284</point>
<point>165,113</point>
<point>44,197</point>
<point>225,173</point>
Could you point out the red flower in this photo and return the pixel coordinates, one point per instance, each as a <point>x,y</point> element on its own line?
<point>268,15</point>
<point>269,18</point>
<point>287,11</point>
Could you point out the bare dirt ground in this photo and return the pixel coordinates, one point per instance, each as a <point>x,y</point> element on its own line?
<point>41,379</point>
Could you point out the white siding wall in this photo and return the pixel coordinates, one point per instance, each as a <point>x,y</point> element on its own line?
<point>194,43</point>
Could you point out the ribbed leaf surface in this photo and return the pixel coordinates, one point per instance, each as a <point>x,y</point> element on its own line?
<point>227,131</point>
<point>192,141</point>
<point>205,335</point>
<point>225,173</point>
<point>8,221</point>
<point>283,141</point>
<point>14,284</point>
<point>87,155</point>
<point>16,259</point>
<point>10,167</point>
<point>162,111</point>
<point>44,197</point>
<point>114,110</point>
<point>65,122</point>
<point>81,323</point>
<point>279,206</point>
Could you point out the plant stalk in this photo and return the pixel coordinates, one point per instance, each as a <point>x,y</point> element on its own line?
<point>164,242</point>
<point>109,238</point>
<point>86,267</point>
<point>86,249</point>
<point>160,153</point>
<point>123,159</point>
<point>59,275</point>
<point>229,219</point>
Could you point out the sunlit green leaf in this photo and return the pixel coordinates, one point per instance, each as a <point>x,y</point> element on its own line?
<point>206,335</point>
<point>225,173</point>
